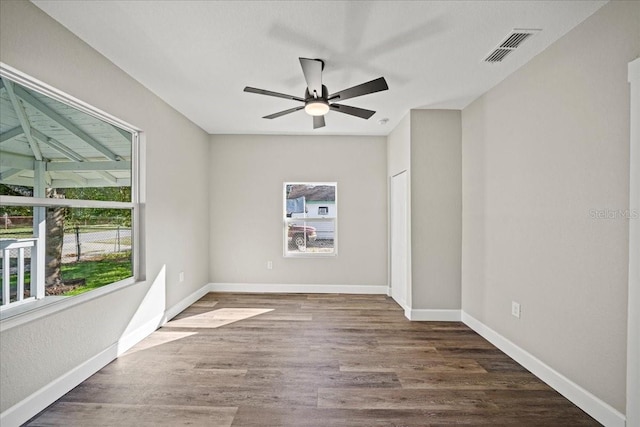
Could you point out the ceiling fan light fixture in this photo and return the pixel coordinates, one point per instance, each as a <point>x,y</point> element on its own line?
<point>316,95</point>
<point>317,107</point>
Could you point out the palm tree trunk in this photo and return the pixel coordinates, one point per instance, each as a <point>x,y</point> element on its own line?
<point>54,241</point>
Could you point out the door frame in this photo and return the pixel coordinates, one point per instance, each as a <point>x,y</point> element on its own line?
<point>407,291</point>
<point>633,313</point>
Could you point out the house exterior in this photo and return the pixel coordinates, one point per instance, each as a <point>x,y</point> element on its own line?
<point>320,202</point>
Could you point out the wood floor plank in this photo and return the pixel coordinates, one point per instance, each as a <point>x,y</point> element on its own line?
<point>473,381</point>
<point>327,378</point>
<point>366,398</point>
<point>331,417</point>
<point>309,360</point>
<point>109,415</point>
<point>151,377</point>
<point>218,395</point>
<point>426,365</point>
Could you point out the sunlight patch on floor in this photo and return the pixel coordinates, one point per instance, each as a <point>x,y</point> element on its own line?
<point>217,318</point>
<point>158,338</point>
<point>204,303</point>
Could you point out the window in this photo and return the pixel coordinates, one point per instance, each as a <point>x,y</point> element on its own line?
<point>310,219</point>
<point>68,211</point>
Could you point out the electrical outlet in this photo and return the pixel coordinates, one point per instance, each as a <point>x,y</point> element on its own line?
<point>181,276</point>
<point>515,309</point>
<point>269,265</point>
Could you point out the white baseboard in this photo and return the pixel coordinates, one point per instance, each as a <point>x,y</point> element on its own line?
<point>172,312</point>
<point>434,315</point>
<point>299,288</point>
<point>403,305</point>
<point>36,402</point>
<point>601,411</point>
<point>127,341</point>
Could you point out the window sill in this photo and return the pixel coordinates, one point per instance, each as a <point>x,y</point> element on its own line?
<point>310,255</point>
<point>33,310</point>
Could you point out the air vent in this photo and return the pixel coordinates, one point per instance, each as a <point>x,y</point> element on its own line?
<point>515,39</point>
<point>510,43</point>
<point>498,55</point>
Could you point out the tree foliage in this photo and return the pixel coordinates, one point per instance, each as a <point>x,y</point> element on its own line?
<point>77,215</point>
<point>6,190</point>
<point>87,215</point>
<point>113,194</point>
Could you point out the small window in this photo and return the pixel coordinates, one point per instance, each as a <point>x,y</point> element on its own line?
<point>310,219</point>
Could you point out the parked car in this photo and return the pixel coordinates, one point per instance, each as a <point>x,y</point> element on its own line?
<point>300,235</point>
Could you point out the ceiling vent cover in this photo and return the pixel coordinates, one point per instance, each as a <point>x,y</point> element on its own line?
<point>510,43</point>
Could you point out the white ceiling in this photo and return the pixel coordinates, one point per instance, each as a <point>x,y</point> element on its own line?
<point>199,55</point>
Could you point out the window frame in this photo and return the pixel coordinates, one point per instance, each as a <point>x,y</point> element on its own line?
<point>22,313</point>
<point>286,220</point>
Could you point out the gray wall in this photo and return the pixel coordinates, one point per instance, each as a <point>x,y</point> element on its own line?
<point>427,143</point>
<point>540,151</point>
<point>177,217</point>
<point>436,209</point>
<point>247,175</point>
<point>399,147</point>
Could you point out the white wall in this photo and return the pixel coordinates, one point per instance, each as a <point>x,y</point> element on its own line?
<point>540,151</point>
<point>176,208</point>
<point>436,209</point>
<point>249,171</point>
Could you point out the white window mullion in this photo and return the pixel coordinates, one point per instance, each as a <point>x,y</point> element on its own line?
<point>68,203</point>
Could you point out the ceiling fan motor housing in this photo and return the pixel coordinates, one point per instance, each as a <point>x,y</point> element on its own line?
<point>309,96</point>
<point>317,106</point>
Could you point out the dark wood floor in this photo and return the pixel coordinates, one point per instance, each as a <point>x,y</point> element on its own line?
<point>310,360</point>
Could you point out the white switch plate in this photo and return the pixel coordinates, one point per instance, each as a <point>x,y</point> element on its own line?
<point>269,265</point>
<point>515,309</point>
<point>181,276</point>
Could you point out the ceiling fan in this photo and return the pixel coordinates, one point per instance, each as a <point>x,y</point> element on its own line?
<point>317,101</point>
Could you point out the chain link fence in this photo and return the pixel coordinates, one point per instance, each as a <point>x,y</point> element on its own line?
<point>94,252</point>
<point>95,241</point>
<point>95,237</point>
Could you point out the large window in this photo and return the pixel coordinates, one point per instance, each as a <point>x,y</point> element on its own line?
<point>68,211</point>
<point>310,213</point>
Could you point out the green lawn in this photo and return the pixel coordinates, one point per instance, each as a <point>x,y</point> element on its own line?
<point>16,232</point>
<point>96,273</point>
